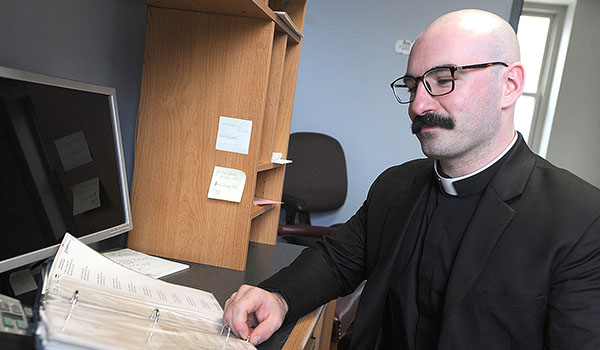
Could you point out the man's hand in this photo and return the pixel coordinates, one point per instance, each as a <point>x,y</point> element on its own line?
<point>254,313</point>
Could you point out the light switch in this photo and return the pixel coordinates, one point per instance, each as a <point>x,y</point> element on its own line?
<point>403,46</point>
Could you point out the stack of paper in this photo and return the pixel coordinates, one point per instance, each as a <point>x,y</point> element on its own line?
<point>91,302</point>
<point>149,265</point>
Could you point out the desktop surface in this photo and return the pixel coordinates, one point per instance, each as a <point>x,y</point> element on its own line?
<point>263,261</point>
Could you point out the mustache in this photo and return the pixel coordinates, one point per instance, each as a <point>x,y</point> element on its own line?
<point>432,119</point>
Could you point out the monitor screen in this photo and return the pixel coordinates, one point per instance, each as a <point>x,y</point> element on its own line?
<point>61,166</point>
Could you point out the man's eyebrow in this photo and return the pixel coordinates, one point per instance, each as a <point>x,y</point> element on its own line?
<point>445,65</point>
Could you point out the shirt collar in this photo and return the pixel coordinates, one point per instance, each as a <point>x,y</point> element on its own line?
<point>448,184</point>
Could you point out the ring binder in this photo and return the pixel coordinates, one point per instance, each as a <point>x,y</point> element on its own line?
<point>128,310</point>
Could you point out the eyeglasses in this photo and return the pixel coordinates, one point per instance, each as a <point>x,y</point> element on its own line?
<point>438,81</point>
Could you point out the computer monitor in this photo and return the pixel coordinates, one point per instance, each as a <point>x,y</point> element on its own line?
<point>61,166</point>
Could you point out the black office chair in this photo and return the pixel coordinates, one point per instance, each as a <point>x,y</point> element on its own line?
<point>316,181</point>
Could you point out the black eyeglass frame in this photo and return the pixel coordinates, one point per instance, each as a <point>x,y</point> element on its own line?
<point>453,69</point>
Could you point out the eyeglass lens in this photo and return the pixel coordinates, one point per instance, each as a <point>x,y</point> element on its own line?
<point>438,81</point>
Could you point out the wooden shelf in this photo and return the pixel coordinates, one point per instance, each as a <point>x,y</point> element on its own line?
<point>281,27</point>
<point>241,8</point>
<point>258,210</point>
<point>205,59</point>
<point>266,166</point>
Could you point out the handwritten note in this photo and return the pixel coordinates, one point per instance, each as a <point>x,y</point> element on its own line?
<point>234,135</point>
<point>149,265</point>
<point>227,184</point>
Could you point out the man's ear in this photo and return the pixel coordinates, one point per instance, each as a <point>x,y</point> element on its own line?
<point>513,84</point>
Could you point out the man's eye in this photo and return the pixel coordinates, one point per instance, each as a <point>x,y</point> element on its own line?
<point>443,81</point>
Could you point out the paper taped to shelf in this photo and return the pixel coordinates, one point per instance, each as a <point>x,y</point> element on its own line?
<point>227,184</point>
<point>234,135</point>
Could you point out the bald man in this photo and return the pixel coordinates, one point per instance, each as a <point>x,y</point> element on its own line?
<point>482,245</point>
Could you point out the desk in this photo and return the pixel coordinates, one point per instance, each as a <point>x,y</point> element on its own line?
<point>313,331</point>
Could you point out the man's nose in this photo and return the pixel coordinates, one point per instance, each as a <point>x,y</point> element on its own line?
<point>423,101</point>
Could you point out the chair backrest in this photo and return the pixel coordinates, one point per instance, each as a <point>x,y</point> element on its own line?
<point>318,172</point>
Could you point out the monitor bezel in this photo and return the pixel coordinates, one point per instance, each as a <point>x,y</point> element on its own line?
<point>29,258</point>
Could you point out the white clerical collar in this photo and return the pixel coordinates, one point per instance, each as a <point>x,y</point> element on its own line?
<point>447,183</point>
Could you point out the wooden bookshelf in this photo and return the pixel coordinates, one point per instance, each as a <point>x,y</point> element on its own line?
<point>267,166</point>
<point>205,59</point>
<point>245,8</point>
<point>259,210</point>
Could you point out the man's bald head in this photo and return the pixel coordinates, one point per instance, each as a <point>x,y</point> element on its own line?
<point>476,32</point>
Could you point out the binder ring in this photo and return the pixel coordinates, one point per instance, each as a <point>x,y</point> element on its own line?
<point>225,326</point>
<point>74,300</point>
<point>154,317</point>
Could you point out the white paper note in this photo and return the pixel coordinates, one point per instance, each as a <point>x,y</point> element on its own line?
<point>234,135</point>
<point>149,265</point>
<point>227,184</point>
<point>277,158</point>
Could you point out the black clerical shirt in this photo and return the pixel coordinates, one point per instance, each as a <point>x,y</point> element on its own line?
<point>416,294</point>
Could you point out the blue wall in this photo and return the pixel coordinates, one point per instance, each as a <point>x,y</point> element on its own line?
<point>346,65</point>
<point>98,42</point>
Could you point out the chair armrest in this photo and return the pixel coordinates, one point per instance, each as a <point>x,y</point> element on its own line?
<point>304,230</point>
<point>294,202</point>
<point>292,206</point>
<point>345,310</point>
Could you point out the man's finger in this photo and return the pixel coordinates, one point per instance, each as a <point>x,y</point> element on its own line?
<point>240,311</point>
<point>264,330</point>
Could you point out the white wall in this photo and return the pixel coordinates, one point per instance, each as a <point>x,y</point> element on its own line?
<point>575,137</point>
<point>346,64</point>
